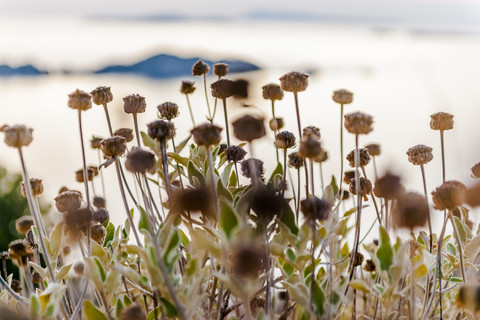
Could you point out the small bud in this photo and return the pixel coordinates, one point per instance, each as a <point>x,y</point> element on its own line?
<point>294,81</point>
<point>388,187</point>
<point>235,153</point>
<point>295,160</point>
<point>276,124</point>
<point>441,121</point>
<point>358,122</point>
<point>257,165</point>
<point>200,68</point>
<point>68,201</point>
<point>168,110</point>
<point>37,187</point>
<point>127,133</point>
<point>79,100</point>
<point>101,95</point>
<point>342,96</point>
<point>345,195</point>
<point>161,130</point>
<point>364,189</point>
<point>373,149</point>
<point>114,146</point>
<point>285,140</point>
<point>223,88</point>
<point>17,136</point>
<point>187,87</point>
<point>310,148</point>
<point>364,157</point>
<point>78,268</point>
<point>449,195</point>
<point>220,69</point>
<point>23,224</point>
<point>420,154</point>
<point>249,128</point>
<point>311,132</point>
<point>314,208</point>
<point>134,103</point>
<point>97,233</point>
<point>207,134</point>
<point>140,161</point>
<point>410,211</point>
<point>95,142</point>
<point>272,91</point>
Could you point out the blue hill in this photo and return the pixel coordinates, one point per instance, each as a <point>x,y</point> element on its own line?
<point>27,70</point>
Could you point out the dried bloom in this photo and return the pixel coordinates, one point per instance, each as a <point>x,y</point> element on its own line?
<point>222,88</point>
<point>449,195</point>
<point>246,260</point>
<point>78,268</point>
<point>200,68</point>
<point>272,91</point>
<point>294,81</point>
<point>311,132</point>
<point>99,202</point>
<point>420,154</point>
<point>469,298</point>
<point>36,277</point>
<point>193,200</point>
<point>476,171</point>
<point>161,130</point>
<point>441,121</point>
<point>342,96</point>
<point>23,224</point>
<point>220,69</point>
<point>19,252</point>
<point>207,134</point>
<point>68,201</point>
<point>285,140</point>
<point>100,215</point>
<point>266,203</point>
<point>37,187</point>
<point>249,128</point>
<point>114,146</point>
<point>373,149</point>
<point>358,259</point>
<point>310,148</point>
<point>364,157</point>
<point>95,142</point>
<point>127,133</point>
<point>140,161</point>
<point>295,160</point>
<point>17,136</point>
<point>187,87</point>
<point>410,211</point>
<point>240,89</point>
<point>17,287</point>
<point>77,221</point>
<point>472,196</point>
<point>322,157</point>
<point>62,189</point>
<point>257,165</point>
<point>364,189</point>
<point>358,122</point>
<point>101,95</point>
<point>79,100</point>
<point>235,153</point>
<point>97,233</point>
<point>369,266</point>
<point>314,208</point>
<point>168,110</point>
<point>345,195</point>
<point>348,176</point>
<point>133,312</point>
<point>276,124</point>
<point>79,175</point>
<point>134,103</point>
<point>66,250</point>
<point>388,187</point>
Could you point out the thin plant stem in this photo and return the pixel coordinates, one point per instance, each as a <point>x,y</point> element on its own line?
<point>413,314</point>
<point>166,176</point>
<point>373,198</point>
<point>268,273</point>
<point>109,123</point>
<point>297,209</point>
<point>206,97</point>
<point>284,170</point>
<point>42,226</point>
<point>340,178</point>
<point>312,275</point>
<point>137,132</point>
<point>429,220</point>
<point>359,202</point>
<point>248,312</point>
<point>236,172</point>
<point>251,165</point>
<point>297,109</point>
<point>224,100</point>
<point>311,177</point>
<point>190,110</point>
<point>85,173</point>
<point>442,143</point>
<point>460,249</point>
<point>13,293</point>
<point>276,129</point>
<point>322,184</point>
<point>212,178</point>
<point>80,302</point>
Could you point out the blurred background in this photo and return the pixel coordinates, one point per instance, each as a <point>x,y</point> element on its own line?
<point>403,59</point>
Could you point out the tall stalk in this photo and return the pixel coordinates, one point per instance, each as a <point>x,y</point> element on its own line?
<point>297,109</point>
<point>312,275</point>
<point>341,149</point>
<point>190,110</point>
<point>276,128</point>
<point>224,100</point>
<point>206,97</point>
<point>429,220</point>
<point>85,172</point>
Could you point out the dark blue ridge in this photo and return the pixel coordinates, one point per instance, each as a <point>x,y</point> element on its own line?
<point>27,70</point>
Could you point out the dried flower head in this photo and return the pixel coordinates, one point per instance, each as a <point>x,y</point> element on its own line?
<point>77,221</point>
<point>364,157</point>
<point>322,157</point>
<point>101,95</point>
<point>348,176</point>
<point>200,68</point>
<point>19,252</point>
<point>272,91</point>
<point>134,103</point>
<point>133,312</point>
<point>62,189</point>
<point>249,128</point>
<point>314,208</point>
<point>17,287</point>
<point>441,121</point>
<point>276,124</point>
<point>388,186</point>
<point>285,140</point>
<point>36,277</point>
<point>97,233</point>
<point>100,215</point>
<point>472,196</point>
<point>127,133</point>
<point>449,195</point>
<point>476,171</point>
<point>140,161</point>
<point>161,130</point>
<point>193,200</point>
<point>68,201</point>
<point>373,149</point>
<point>369,266</point>
<point>37,187</point>
<point>345,195</point>
<point>23,224</point>
<point>469,297</point>
<point>187,87</point>
<point>365,187</point>
<point>267,203</point>
<point>168,110</point>
<point>220,69</point>
<point>114,146</point>
<point>294,81</point>
<point>358,122</point>
<point>235,153</point>
<point>358,260</point>
<point>420,154</point>
<point>311,132</point>
<point>78,268</point>
<point>222,148</point>
<point>249,164</point>
<point>79,100</point>
<point>207,134</point>
<point>295,160</point>
<point>90,174</point>
<point>310,148</point>
<point>410,211</point>
<point>342,96</point>
<point>246,260</point>
<point>96,142</point>
<point>240,89</point>
<point>223,88</point>
<point>17,136</point>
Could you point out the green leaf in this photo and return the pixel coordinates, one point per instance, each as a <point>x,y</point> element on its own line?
<point>288,268</point>
<point>233,179</point>
<point>118,308</point>
<point>278,170</point>
<point>143,222</point>
<point>223,192</point>
<point>168,308</point>
<point>100,268</point>
<point>291,255</point>
<point>455,279</point>
<point>288,218</point>
<point>461,230</point>
<point>178,158</point>
<point>333,184</point>
<point>149,142</point>
<point>35,307</point>
<point>318,299</point>
<point>182,144</point>
<point>155,313</point>
<point>385,252</point>
<point>110,232</point>
<point>226,173</point>
<point>228,219</point>
<point>171,251</point>
<point>194,172</point>
<point>183,238</point>
<point>90,312</point>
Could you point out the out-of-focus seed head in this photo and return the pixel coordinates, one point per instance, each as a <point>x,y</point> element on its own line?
<point>66,250</point>
<point>68,201</point>
<point>37,187</point>
<point>30,239</point>
<point>310,148</point>
<point>79,100</point>
<point>133,312</point>
<point>223,88</point>
<point>127,133</point>
<point>247,165</point>
<point>472,196</point>
<point>314,208</point>
<point>140,161</point>
<point>36,277</point>
<point>369,266</point>
<point>364,189</point>
<point>78,268</point>
<point>249,128</point>
<point>79,175</point>
<point>449,195</point>
<point>358,260</point>
<point>193,200</point>
<point>266,203</point>
<point>348,176</point>
<point>235,153</point>
<point>311,132</point>
<point>114,146</point>
<point>285,140</point>
<point>388,187</point>
<point>207,134</point>
<point>364,157</point>
<point>161,130</point>
<point>358,122</point>
<point>373,149</point>
<point>476,171</point>
<point>345,195</point>
<point>76,222</point>
<point>97,233</point>
<point>322,157</point>
<point>276,124</point>
<point>101,95</point>
<point>101,216</point>
<point>420,154</point>
<point>342,96</point>
<point>295,160</point>
<point>469,298</point>
<point>96,142</point>
<point>240,89</point>
<point>134,103</point>
<point>246,260</point>
<point>441,121</point>
<point>272,91</point>
<point>19,252</point>
<point>187,87</point>
<point>17,136</point>
<point>410,211</point>
<point>294,81</point>
<point>23,224</point>
<point>168,110</point>
<point>62,189</point>
<point>17,287</point>
<point>200,68</point>
<point>220,69</point>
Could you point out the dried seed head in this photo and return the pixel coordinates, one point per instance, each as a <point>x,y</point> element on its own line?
<point>235,153</point>
<point>223,88</point>
<point>101,95</point>
<point>200,68</point>
<point>37,187</point>
<point>30,239</point>
<point>314,208</point>
<point>249,128</point>
<point>469,297</point>
<point>79,100</point>
<point>100,215</point>
<point>207,134</point>
<point>388,187</point>
<point>410,211</point>
<point>364,157</point>
<point>77,221</point>
<point>19,252</point>
<point>342,96</point>
<point>373,149</point>
<point>369,266</point>
<point>220,69</point>
<point>134,103</point>
<point>345,195</point>
<point>133,312</point>
<point>68,201</point>
<point>97,233</point>
<point>295,160</point>
<point>348,176</point>
<point>127,133</point>
<point>246,260</point>
<point>193,200</point>
<point>161,130</point>
<point>449,195</point>
<point>310,148</point>
<point>472,196</point>
<point>285,140</point>
<point>62,189</point>
<point>114,146</point>
<point>96,142</point>
<point>168,110</point>
<point>322,157</point>
<point>78,268</point>
<point>358,122</point>
<point>294,81</point>
<point>187,87</point>
<point>66,250</point>
<point>364,189</point>
<point>276,124</point>
<point>36,277</point>
<point>441,121</point>
<point>257,165</point>
<point>272,91</point>
<point>17,287</point>
<point>240,89</point>
<point>23,224</point>
<point>311,132</point>
<point>266,203</point>
<point>222,148</point>
<point>140,161</point>
<point>476,171</point>
<point>358,260</point>
<point>17,136</point>
<point>420,154</point>
<point>79,175</point>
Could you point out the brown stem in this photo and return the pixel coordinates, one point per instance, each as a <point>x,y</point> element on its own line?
<point>429,220</point>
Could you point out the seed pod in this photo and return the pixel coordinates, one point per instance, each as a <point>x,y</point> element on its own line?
<point>364,189</point>
<point>187,87</point>
<point>207,134</point>
<point>235,153</point>
<point>97,233</point>
<point>342,96</point>
<point>168,110</point>
<point>193,200</point>
<point>114,146</point>
<point>223,88</point>
<point>358,122</point>
<point>266,203</point>
<point>68,201</point>
<point>17,136</point>
<point>140,161</point>
<point>200,68</point>
<point>420,154</point>
<point>79,100</point>
<point>37,187</point>
<point>276,124</point>
<point>245,166</point>
<point>272,91</point>
<point>100,215</point>
<point>373,149</point>
<point>246,260</point>
<point>364,157</point>
<point>62,189</point>
<point>220,69</point>
<point>249,128</point>
<point>441,121</point>
<point>294,81</point>
<point>161,130</point>
<point>358,260</point>
<point>476,171</point>
<point>295,160</point>
<point>23,224</point>
<point>449,195</point>
<point>311,132</point>
<point>134,103</point>
<point>240,89</point>
<point>410,211</point>
<point>133,312</point>
<point>345,195</point>
<point>127,133</point>
<point>19,252</point>
<point>285,140</point>
<point>314,208</point>
<point>96,142</point>
<point>369,266</point>
<point>388,187</point>
<point>101,95</point>
<point>348,176</point>
<point>310,148</point>
<point>77,221</point>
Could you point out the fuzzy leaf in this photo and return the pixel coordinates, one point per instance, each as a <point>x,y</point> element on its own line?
<point>56,240</point>
<point>101,270</point>
<point>318,299</point>
<point>90,312</point>
<point>223,192</point>
<point>278,170</point>
<point>62,273</point>
<point>170,310</point>
<point>110,232</point>
<point>149,142</point>
<point>228,219</point>
<point>182,144</point>
<point>154,314</point>
<point>194,172</point>
<point>359,284</point>
<point>461,230</point>
<point>35,307</point>
<point>385,252</point>
<point>333,184</point>
<point>143,223</point>
<point>288,218</point>
<point>226,174</point>
<point>178,158</point>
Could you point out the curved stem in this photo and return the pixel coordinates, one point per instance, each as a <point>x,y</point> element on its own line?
<point>137,132</point>
<point>13,293</point>
<point>442,143</point>
<point>322,183</point>
<point>276,128</point>
<point>85,173</point>
<point>206,97</point>
<point>373,198</point>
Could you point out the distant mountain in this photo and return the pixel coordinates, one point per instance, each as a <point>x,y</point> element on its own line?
<point>167,66</point>
<point>27,70</point>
